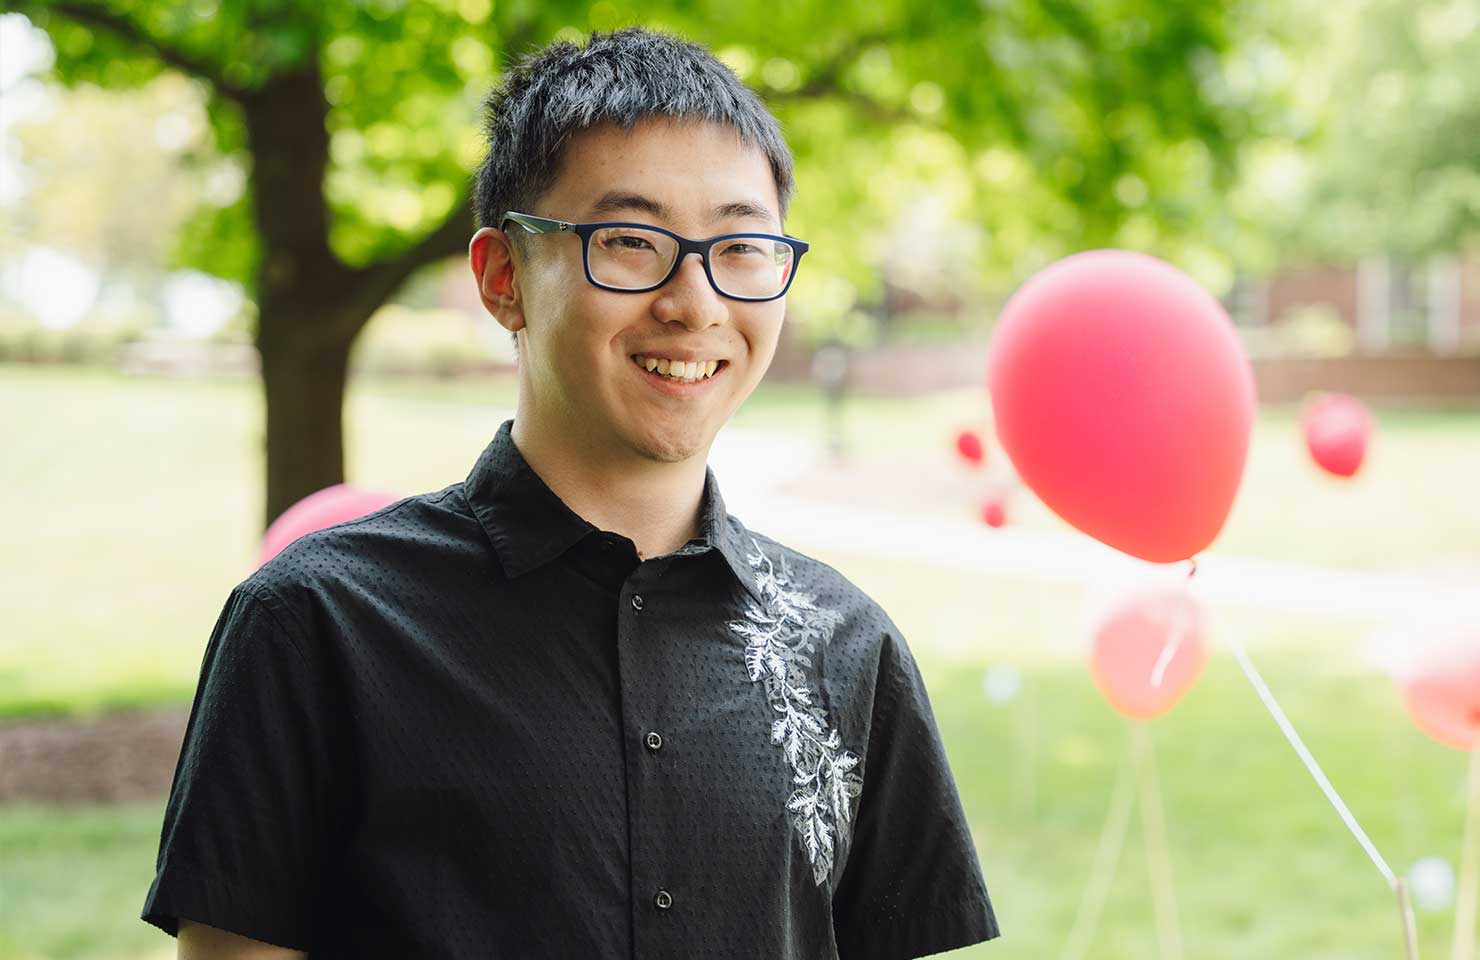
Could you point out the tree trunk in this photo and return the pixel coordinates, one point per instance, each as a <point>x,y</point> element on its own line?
<point>311,305</point>
<point>303,385</point>
<point>299,282</point>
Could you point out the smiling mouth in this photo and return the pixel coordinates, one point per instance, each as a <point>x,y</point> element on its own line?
<point>675,371</point>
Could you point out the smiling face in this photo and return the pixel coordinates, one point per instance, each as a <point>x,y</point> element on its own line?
<point>578,375</point>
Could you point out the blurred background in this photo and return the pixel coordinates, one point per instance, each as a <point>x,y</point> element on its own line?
<point>232,272</point>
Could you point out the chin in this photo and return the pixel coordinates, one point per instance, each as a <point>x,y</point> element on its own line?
<point>671,446</point>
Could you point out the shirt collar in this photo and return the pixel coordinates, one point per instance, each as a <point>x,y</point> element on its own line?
<point>529,525</point>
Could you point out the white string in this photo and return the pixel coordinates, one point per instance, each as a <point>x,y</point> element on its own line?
<point>1107,855</point>
<point>1310,763</point>
<point>1179,624</point>
<point>1154,832</point>
<point>1469,882</point>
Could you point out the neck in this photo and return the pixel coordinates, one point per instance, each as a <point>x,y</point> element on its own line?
<point>654,504</point>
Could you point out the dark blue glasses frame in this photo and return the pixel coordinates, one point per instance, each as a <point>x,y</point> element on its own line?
<point>685,247</point>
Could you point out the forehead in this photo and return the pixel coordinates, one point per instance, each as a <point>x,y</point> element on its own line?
<point>691,169</point>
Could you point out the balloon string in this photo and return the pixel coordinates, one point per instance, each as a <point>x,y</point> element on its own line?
<point>1025,785</point>
<point>1178,628</point>
<point>1107,856</point>
<point>1405,914</point>
<point>1469,884</point>
<point>1310,763</point>
<point>1154,832</point>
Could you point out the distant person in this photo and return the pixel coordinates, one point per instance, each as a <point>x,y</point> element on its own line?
<point>570,707</point>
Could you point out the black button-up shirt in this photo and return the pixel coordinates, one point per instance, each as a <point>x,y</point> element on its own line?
<point>471,724</point>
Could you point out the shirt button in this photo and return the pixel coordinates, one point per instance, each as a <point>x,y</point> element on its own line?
<point>654,741</point>
<point>663,900</point>
<point>637,601</point>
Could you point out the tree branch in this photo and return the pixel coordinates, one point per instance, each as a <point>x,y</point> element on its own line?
<point>826,81</point>
<point>124,28</point>
<point>866,105</point>
<point>375,283</point>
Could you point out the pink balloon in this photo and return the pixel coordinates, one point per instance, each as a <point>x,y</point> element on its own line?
<point>1129,642</point>
<point>1125,401</point>
<point>1443,698</point>
<point>969,446</point>
<point>994,512</point>
<point>1337,428</point>
<point>320,509</point>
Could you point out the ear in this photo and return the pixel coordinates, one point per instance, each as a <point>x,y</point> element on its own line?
<point>492,258</point>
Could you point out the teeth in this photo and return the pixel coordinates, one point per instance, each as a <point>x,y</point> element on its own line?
<point>690,370</point>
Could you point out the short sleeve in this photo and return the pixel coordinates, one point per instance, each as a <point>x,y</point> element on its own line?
<point>912,884</point>
<point>242,844</point>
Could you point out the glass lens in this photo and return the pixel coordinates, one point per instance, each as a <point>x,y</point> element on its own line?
<point>750,266</point>
<point>630,258</point>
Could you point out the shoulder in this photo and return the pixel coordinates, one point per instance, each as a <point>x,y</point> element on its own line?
<point>808,605</point>
<point>334,563</point>
<point>798,584</point>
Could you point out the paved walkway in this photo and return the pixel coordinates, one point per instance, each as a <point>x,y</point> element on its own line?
<point>764,477</point>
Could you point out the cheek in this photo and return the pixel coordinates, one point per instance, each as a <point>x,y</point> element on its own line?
<point>589,336</point>
<point>552,285</point>
<point>558,307</point>
<point>762,330</point>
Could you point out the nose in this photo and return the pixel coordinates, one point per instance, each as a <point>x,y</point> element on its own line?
<point>688,298</point>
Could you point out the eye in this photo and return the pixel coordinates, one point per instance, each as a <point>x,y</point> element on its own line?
<point>629,241</point>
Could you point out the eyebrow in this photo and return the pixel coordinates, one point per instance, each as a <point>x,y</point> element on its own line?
<point>618,200</point>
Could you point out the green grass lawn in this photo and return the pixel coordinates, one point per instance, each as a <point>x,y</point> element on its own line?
<point>134,505</point>
<point>1262,866</point>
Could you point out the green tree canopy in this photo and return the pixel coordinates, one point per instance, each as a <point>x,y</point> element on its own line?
<point>1395,164</point>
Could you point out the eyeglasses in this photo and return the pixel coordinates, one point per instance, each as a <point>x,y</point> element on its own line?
<point>638,257</point>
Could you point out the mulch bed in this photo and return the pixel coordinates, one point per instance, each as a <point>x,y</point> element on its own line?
<point>122,756</point>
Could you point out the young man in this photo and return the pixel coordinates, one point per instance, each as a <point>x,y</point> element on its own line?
<point>570,707</point>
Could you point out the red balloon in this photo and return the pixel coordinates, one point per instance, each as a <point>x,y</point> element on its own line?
<point>969,446</point>
<point>323,508</point>
<point>1125,401</point>
<point>994,512</point>
<point>1443,698</point>
<point>1130,641</point>
<point>1337,428</point>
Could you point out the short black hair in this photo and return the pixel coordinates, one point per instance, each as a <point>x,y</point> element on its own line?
<point>618,77</point>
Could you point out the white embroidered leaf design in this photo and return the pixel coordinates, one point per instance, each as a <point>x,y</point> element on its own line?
<point>755,663</point>
<point>793,746</point>
<point>776,632</point>
<point>842,788</point>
